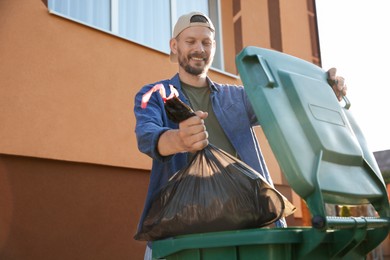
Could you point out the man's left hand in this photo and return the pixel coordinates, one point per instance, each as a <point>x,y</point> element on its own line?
<point>337,83</point>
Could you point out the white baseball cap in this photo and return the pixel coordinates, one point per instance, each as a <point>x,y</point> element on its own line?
<point>186,21</point>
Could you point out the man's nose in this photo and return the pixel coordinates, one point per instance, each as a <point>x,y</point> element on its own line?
<point>200,48</point>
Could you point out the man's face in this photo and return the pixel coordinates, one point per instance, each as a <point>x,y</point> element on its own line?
<point>195,49</point>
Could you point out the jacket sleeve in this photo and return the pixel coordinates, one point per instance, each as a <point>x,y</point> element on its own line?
<point>250,112</point>
<point>151,123</point>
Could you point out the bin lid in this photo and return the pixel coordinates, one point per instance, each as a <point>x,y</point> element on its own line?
<point>316,142</point>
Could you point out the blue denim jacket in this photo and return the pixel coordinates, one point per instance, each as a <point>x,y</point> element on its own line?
<point>233,111</point>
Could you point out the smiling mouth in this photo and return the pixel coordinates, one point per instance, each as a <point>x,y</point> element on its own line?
<point>197,59</point>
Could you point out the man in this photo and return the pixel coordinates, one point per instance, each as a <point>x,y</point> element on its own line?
<point>224,115</point>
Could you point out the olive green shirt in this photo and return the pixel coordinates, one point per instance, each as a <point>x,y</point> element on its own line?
<point>199,98</point>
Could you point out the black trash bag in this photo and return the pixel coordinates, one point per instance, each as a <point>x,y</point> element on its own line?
<point>214,192</point>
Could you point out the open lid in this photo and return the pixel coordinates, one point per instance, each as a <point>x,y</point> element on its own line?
<point>310,133</point>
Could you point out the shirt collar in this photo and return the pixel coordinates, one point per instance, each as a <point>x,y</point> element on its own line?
<point>175,81</point>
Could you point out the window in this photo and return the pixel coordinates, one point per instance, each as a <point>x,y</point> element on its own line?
<point>147,22</point>
<point>90,12</point>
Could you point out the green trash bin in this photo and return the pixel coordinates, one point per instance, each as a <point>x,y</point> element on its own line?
<point>322,154</point>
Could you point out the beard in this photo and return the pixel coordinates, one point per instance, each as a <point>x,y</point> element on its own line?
<point>184,62</point>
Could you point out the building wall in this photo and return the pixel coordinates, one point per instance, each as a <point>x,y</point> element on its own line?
<point>53,209</point>
<point>72,181</point>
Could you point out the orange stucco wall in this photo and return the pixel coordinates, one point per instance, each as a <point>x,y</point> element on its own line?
<point>255,35</point>
<point>68,90</point>
<point>295,28</point>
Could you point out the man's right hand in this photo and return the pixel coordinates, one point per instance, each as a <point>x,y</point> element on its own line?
<point>192,133</point>
<point>190,137</point>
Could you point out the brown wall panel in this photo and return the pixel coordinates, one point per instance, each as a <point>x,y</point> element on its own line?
<point>62,210</point>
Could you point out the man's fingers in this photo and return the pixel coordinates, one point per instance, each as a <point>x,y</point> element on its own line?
<point>195,120</point>
<point>340,83</point>
<point>344,90</point>
<point>340,88</point>
<point>196,141</point>
<point>193,132</point>
<point>194,129</point>
<point>201,114</point>
<point>337,83</point>
<point>332,74</point>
